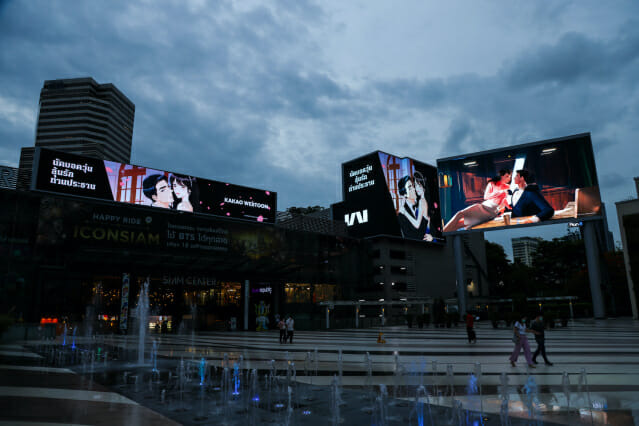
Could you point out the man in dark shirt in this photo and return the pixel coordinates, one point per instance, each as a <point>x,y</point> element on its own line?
<point>530,202</point>
<point>538,326</point>
<point>412,219</point>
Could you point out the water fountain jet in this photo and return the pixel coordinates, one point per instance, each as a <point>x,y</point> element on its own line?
<point>142,311</point>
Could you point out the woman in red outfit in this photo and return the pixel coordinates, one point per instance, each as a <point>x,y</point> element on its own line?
<point>494,204</point>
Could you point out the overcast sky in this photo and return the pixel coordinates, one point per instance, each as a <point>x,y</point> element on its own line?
<point>278,94</point>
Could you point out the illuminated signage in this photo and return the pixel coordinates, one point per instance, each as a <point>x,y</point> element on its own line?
<point>360,178</point>
<point>389,195</point>
<point>360,217</point>
<point>78,224</point>
<point>538,183</point>
<point>168,279</point>
<point>70,174</point>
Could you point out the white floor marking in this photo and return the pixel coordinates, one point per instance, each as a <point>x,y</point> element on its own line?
<point>17,354</point>
<point>20,423</point>
<point>72,394</point>
<point>38,369</point>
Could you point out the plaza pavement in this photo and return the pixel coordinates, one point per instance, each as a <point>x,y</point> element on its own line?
<point>606,350</point>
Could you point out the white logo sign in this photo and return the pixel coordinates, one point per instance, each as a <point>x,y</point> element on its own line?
<point>360,217</point>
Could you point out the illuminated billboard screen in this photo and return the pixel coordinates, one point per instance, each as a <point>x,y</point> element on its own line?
<point>538,183</point>
<point>70,174</point>
<point>388,195</point>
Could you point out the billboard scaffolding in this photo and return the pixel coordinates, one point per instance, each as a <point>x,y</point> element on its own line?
<point>545,182</point>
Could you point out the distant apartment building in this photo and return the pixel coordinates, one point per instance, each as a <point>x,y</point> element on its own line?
<point>524,248</point>
<point>82,117</point>
<point>8,177</point>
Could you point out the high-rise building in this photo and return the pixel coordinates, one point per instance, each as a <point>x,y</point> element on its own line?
<point>524,248</point>
<point>82,117</point>
<point>86,118</point>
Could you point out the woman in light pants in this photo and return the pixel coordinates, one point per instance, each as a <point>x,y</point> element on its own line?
<point>521,341</point>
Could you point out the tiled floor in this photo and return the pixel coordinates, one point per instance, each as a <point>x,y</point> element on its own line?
<point>607,351</point>
<point>33,395</point>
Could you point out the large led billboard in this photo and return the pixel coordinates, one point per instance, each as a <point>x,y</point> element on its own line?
<point>63,173</point>
<point>537,183</point>
<point>387,195</point>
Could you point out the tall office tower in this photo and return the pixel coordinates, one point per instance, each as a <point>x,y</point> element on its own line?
<point>524,249</point>
<point>82,117</point>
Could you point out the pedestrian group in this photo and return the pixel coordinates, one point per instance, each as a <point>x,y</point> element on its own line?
<point>287,328</point>
<point>520,339</point>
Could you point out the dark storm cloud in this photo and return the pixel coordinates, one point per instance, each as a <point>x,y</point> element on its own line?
<point>575,57</point>
<point>577,84</point>
<point>458,132</point>
<point>206,82</point>
<point>414,93</point>
<point>177,139</point>
<point>247,94</point>
<point>612,180</point>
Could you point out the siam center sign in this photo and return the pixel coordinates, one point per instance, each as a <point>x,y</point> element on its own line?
<point>63,173</point>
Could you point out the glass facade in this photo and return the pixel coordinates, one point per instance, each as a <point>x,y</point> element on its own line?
<point>65,257</point>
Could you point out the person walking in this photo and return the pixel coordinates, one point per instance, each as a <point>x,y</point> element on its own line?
<point>521,341</point>
<point>538,326</point>
<point>282,326</point>
<point>290,328</point>
<point>470,324</point>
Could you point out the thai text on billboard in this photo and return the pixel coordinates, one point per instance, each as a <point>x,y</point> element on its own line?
<point>89,177</point>
<point>389,195</point>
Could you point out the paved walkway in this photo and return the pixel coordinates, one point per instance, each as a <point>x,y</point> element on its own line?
<point>32,395</point>
<point>607,351</point>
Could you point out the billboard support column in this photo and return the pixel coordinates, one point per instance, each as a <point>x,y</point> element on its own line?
<point>458,247</point>
<point>594,272</point>
<point>572,314</point>
<point>247,294</point>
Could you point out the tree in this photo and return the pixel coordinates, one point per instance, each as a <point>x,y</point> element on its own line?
<point>304,210</point>
<point>558,266</point>
<point>520,285</point>
<point>498,267</point>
